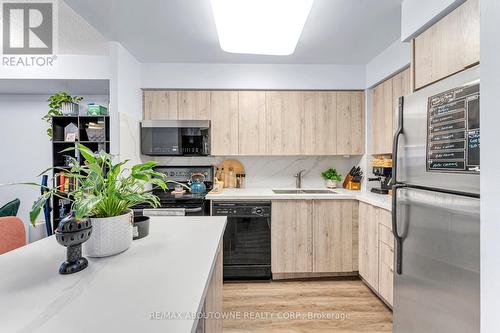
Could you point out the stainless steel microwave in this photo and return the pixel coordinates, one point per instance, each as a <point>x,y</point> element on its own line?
<point>175,137</point>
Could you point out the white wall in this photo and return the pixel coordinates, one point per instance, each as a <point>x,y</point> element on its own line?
<point>418,15</point>
<point>251,76</point>
<point>389,61</point>
<point>25,150</point>
<point>126,101</point>
<point>490,162</point>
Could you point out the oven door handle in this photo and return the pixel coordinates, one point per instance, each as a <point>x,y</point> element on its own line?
<point>193,210</point>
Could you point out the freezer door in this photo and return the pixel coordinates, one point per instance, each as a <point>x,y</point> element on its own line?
<point>438,290</point>
<point>411,154</point>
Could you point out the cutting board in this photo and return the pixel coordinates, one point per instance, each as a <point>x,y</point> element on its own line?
<point>235,164</point>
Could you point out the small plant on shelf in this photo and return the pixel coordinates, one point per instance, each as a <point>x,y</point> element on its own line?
<point>56,103</point>
<point>331,177</point>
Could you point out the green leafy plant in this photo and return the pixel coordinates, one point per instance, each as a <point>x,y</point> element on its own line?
<point>104,188</point>
<point>55,103</point>
<point>331,174</point>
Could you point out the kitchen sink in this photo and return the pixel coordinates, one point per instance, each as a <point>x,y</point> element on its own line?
<point>303,192</point>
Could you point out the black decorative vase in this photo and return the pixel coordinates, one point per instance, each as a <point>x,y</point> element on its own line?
<point>73,234</point>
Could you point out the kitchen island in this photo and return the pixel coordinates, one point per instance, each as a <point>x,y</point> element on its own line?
<point>160,284</point>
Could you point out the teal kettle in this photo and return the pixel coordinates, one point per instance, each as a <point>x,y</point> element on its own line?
<point>198,183</point>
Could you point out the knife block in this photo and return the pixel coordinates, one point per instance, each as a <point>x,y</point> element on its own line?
<point>349,184</point>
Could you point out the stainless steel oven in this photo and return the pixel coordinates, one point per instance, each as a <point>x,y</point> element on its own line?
<point>247,239</point>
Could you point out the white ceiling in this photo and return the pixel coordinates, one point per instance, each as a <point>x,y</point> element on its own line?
<point>336,32</point>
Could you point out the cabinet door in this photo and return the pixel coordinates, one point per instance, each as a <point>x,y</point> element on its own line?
<point>350,122</point>
<point>388,116</point>
<point>291,238</point>
<point>213,300</point>
<point>160,104</point>
<point>377,118</point>
<point>332,235</point>
<point>193,105</point>
<point>368,244</point>
<point>449,46</point>
<point>320,123</point>
<point>406,82</point>
<point>386,272</point>
<point>285,117</point>
<point>253,135</point>
<point>224,122</point>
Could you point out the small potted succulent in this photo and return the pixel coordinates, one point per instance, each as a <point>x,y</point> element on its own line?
<point>61,103</point>
<point>104,193</point>
<point>331,177</point>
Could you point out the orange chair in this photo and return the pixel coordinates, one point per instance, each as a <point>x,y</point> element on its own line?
<point>12,234</point>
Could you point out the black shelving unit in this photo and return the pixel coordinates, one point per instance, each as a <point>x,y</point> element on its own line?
<point>59,144</point>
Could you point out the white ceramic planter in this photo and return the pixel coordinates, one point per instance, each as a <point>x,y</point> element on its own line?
<point>110,235</point>
<point>331,183</point>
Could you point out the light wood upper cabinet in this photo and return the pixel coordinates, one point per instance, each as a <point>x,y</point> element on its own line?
<point>193,105</point>
<point>269,122</point>
<point>448,46</point>
<point>384,104</point>
<point>291,236</point>
<point>350,128</point>
<point>333,235</point>
<point>160,104</point>
<point>224,122</point>
<point>320,123</point>
<point>285,112</point>
<point>368,244</point>
<point>252,123</point>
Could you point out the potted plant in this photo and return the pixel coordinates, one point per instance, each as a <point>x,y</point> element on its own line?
<point>331,177</point>
<point>104,193</point>
<point>61,103</point>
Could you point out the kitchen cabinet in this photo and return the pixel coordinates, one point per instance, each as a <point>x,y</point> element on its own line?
<point>252,123</point>
<point>314,236</point>
<point>291,236</point>
<point>193,105</point>
<point>448,46</point>
<point>376,250</point>
<point>269,122</point>
<point>384,103</point>
<point>368,244</point>
<point>320,123</point>
<point>224,122</point>
<point>213,299</point>
<point>285,110</point>
<point>333,235</point>
<point>350,123</point>
<point>160,104</point>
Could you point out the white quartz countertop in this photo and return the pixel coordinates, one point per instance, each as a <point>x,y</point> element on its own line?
<point>379,200</point>
<point>167,271</point>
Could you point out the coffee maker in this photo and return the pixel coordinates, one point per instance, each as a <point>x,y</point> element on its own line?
<point>384,175</point>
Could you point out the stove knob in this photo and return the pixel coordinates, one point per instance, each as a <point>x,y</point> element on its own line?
<point>258,211</point>
<point>172,173</point>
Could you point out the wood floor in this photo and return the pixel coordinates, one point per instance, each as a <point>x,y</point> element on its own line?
<point>279,307</point>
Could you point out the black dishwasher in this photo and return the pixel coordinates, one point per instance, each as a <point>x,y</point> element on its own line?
<point>247,239</point>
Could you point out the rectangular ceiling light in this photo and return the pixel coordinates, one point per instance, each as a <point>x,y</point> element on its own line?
<point>271,27</point>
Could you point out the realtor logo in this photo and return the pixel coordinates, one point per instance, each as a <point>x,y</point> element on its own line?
<point>27,28</point>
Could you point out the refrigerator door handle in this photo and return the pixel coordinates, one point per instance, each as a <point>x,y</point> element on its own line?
<point>397,237</point>
<point>395,144</point>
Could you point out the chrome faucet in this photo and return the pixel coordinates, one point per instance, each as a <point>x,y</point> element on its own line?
<point>298,178</point>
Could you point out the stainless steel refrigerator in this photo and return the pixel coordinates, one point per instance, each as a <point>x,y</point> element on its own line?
<point>436,208</point>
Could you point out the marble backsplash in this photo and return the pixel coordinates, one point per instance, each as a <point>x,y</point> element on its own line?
<point>261,171</point>
<point>274,171</point>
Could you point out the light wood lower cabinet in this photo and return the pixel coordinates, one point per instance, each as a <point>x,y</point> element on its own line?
<point>291,236</point>
<point>213,299</point>
<point>368,243</point>
<point>314,236</point>
<point>376,247</point>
